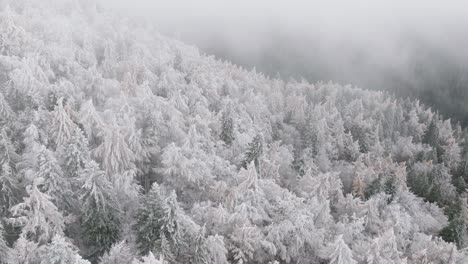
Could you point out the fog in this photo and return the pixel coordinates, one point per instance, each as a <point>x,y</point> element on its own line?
<point>414,49</point>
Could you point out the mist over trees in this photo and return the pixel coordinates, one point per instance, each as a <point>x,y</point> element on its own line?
<point>413,65</point>
<point>120,145</point>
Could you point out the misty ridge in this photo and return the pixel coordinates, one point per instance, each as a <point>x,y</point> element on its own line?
<point>218,132</point>
<point>415,50</point>
<point>422,70</point>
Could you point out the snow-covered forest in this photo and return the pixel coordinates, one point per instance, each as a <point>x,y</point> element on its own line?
<point>121,146</point>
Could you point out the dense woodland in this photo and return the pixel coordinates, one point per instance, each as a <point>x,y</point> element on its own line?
<point>119,145</point>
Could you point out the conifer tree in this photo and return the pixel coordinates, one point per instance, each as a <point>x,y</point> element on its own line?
<point>159,224</point>
<point>4,249</point>
<point>455,231</point>
<point>9,188</point>
<point>62,125</point>
<point>340,253</point>
<point>100,217</point>
<point>120,253</point>
<point>55,185</point>
<point>60,251</point>
<point>75,154</point>
<point>253,153</point>
<point>37,215</point>
<point>227,128</point>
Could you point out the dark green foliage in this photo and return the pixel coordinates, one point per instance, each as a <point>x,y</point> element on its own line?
<point>158,224</point>
<point>373,188</point>
<point>298,166</point>
<point>390,187</point>
<point>454,232</point>
<point>431,137</point>
<point>253,152</point>
<point>227,129</point>
<point>149,222</point>
<point>460,184</point>
<point>419,184</point>
<point>456,229</point>
<point>100,219</point>
<point>381,184</point>
<point>101,229</point>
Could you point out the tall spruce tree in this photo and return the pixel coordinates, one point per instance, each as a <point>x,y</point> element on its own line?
<point>253,153</point>
<point>100,217</point>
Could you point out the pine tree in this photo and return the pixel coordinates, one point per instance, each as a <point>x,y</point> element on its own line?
<point>209,250</point>
<point>9,188</point>
<point>75,154</point>
<point>340,253</point>
<point>431,136</point>
<point>100,217</point>
<point>159,224</point>
<point>60,251</point>
<point>37,215</point>
<point>24,251</point>
<point>148,224</point>
<point>4,249</point>
<point>62,125</point>
<point>114,153</point>
<point>55,185</point>
<point>455,231</point>
<point>358,186</point>
<point>253,153</point>
<point>227,128</point>
<point>119,254</point>
<point>28,164</point>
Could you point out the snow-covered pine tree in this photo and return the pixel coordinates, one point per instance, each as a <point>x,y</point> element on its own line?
<point>160,225</point>
<point>9,186</point>
<point>4,249</point>
<point>100,219</point>
<point>62,125</point>
<point>119,253</point>
<point>254,150</point>
<point>339,252</point>
<point>75,154</point>
<point>37,215</point>
<point>55,184</point>
<point>60,251</point>
<point>209,250</point>
<point>227,128</point>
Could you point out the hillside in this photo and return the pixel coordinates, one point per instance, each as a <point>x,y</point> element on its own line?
<point>119,145</point>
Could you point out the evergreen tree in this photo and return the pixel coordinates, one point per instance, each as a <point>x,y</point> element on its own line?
<point>24,251</point>
<point>75,153</point>
<point>114,153</point>
<point>100,217</point>
<point>148,224</point>
<point>159,224</point>
<point>253,153</point>
<point>62,125</point>
<point>4,249</point>
<point>37,215</point>
<point>340,253</point>
<point>9,188</point>
<point>209,250</point>
<point>431,136</point>
<point>55,185</point>
<point>119,254</point>
<point>455,231</point>
<point>227,128</point>
<point>60,251</point>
